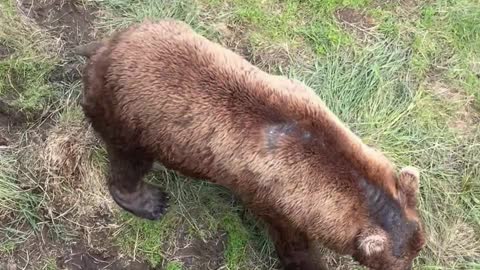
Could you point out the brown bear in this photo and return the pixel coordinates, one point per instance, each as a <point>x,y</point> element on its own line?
<point>162,92</point>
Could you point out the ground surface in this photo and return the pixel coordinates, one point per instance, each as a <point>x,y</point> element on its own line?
<point>403,74</point>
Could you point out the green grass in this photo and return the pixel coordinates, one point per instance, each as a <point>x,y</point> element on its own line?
<point>50,264</point>
<point>24,88</point>
<point>27,89</point>
<point>121,13</point>
<point>12,197</point>
<point>283,24</point>
<point>18,206</point>
<point>24,74</point>
<point>145,238</point>
<point>174,266</point>
<point>446,40</point>
<point>238,238</point>
<point>275,25</point>
<point>411,128</point>
<point>384,90</point>
<point>200,211</point>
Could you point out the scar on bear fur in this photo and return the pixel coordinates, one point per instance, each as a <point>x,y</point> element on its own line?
<point>161,92</point>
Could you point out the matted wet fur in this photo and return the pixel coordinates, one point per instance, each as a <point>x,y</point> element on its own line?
<point>159,91</point>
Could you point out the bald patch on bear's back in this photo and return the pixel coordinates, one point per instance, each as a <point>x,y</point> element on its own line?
<point>275,134</point>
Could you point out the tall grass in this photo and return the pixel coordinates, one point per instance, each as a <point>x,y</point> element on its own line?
<point>24,73</point>
<point>371,89</point>
<point>447,41</point>
<point>122,13</point>
<point>18,206</point>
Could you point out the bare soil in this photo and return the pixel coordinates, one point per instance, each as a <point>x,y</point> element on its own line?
<point>278,55</point>
<point>466,117</point>
<point>11,122</point>
<point>199,254</point>
<point>80,257</point>
<point>403,3</point>
<point>69,20</point>
<point>405,10</point>
<point>235,39</point>
<point>356,22</point>
<point>5,51</point>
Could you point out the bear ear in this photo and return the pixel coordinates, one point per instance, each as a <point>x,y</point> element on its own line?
<point>89,49</point>
<point>373,243</point>
<point>409,180</point>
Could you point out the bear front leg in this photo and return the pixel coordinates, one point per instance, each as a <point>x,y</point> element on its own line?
<point>293,249</point>
<point>126,186</point>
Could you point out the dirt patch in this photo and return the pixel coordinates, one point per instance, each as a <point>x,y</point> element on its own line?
<point>5,51</point>
<point>475,67</point>
<point>331,260</point>
<point>71,179</point>
<point>403,3</point>
<point>76,214</point>
<point>357,22</point>
<point>79,257</point>
<point>354,16</point>
<point>465,120</point>
<point>70,20</point>
<point>466,117</point>
<point>11,122</point>
<point>281,55</point>
<point>67,73</point>
<point>268,58</point>
<point>73,254</point>
<point>233,37</point>
<point>404,10</point>
<point>199,254</point>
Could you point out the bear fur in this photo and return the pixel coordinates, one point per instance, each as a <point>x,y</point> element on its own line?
<point>161,92</point>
